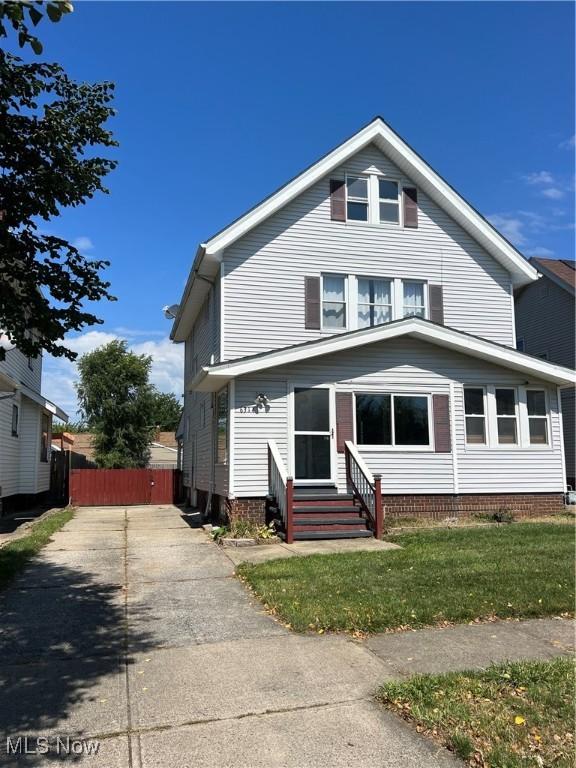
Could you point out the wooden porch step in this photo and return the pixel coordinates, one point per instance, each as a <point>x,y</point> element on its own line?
<point>327,534</point>
<point>357,520</point>
<point>324,509</point>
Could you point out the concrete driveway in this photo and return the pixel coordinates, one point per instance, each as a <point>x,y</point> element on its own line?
<point>130,629</point>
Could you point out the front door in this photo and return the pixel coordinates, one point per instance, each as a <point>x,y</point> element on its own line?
<point>313,435</point>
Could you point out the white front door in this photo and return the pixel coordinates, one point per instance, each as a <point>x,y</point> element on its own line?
<point>313,435</point>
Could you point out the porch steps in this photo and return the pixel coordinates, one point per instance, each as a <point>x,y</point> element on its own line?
<point>322,513</point>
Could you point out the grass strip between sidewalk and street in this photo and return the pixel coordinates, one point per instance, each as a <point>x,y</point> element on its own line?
<point>16,554</point>
<point>514,715</point>
<point>438,577</point>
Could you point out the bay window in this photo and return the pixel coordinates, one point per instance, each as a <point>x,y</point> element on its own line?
<point>392,420</point>
<point>506,416</point>
<point>537,416</point>
<point>374,302</point>
<point>413,300</point>
<point>357,198</point>
<point>388,202</point>
<point>474,410</point>
<point>333,301</point>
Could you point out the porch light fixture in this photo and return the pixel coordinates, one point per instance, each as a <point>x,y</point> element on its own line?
<point>261,401</point>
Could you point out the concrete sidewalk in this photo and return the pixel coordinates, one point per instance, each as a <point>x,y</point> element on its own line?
<point>130,628</point>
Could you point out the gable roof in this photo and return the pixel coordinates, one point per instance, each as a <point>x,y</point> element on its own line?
<point>378,132</point>
<point>561,271</point>
<point>213,377</point>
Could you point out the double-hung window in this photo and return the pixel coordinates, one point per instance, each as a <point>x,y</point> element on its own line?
<point>334,301</point>
<point>45,437</point>
<point>222,426</point>
<point>506,416</point>
<point>475,414</point>
<point>388,202</point>
<point>374,302</point>
<point>537,416</point>
<point>15,417</point>
<point>392,420</point>
<point>413,302</point>
<point>357,198</point>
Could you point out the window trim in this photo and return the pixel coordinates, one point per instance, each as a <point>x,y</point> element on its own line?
<point>15,412</point>
<point>429,448</point>
<point>398,201</point>
<point>222,392</point>
<point>402,305</point>
<point>484,415</point>
<point>516,417</point>
<point>354,199</point>
<point>45,447</point>
<point>522,425</point>
<point>390,282</point>
<point>346,302</point>
<point>373,199</point>
<point>524,401</point>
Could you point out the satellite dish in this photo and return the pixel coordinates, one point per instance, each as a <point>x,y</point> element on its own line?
<point>171,311</point>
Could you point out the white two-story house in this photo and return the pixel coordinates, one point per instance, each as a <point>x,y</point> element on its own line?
<point>350,352</point>
<point>25,430</point>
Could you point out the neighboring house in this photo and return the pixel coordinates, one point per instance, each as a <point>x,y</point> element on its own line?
<point>163,451</point>
<point>25,431</point>
<point>364,313</point>
<point>545,327</point>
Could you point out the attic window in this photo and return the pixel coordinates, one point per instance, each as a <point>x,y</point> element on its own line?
<point>357,198</point>
<point>389,205</point>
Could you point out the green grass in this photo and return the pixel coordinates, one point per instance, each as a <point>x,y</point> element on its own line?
<point>15,555</point>
<point>439,576</point>
<point>514,715</point>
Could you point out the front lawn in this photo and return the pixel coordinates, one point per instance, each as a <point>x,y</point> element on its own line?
<point>15,555</point>
<point>512,715</point>
<point>439,576</point>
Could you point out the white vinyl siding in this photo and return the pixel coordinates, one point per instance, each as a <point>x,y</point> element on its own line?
<point>21,471</point>
<point>264,271</point>
<point>401,366</point>
<point>202,348</point>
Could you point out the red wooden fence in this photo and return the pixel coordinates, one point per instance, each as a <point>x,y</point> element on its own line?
<point>115,487</point>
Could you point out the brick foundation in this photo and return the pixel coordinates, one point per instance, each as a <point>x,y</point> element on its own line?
<point>433,506</point>
<point>438,506</point>
<point>253,510</point>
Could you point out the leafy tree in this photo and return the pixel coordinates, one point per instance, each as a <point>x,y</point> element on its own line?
<point>166,411</point>
<point>116,402</point>
<point>72,427</point>
<point>50,128</point>
<point>13,14</point>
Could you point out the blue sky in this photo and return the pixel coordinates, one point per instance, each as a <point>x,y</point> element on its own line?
<point>220,103</point>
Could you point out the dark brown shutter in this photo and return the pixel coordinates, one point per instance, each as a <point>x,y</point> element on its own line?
<point>344,419</point>
<point>312,303</point>
<point>337,200</point>
<point>436,300</point>
<point>441,414</point>
<point>410,199</point>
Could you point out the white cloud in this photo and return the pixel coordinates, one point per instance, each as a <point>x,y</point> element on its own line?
<point>133,333</point>
<point>510,225</point>
<point>83,243</point>
<point>553,193</point>
<point>60,375</point>
<point>539,177</point>
<point>569,143</point>
<point>545,253</point>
